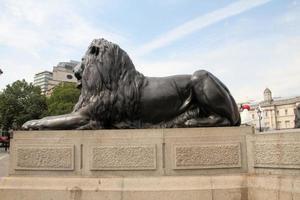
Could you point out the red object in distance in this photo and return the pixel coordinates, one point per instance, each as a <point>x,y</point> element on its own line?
<point>245,106</point>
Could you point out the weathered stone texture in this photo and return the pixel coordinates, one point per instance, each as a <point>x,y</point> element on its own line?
<point>277,155</point>
<point>207,156</point>
<point>123,158</point>
<point>44,158</point>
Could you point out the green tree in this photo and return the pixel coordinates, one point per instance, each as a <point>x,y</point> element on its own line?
<point>63,99</point>
<point>20,102</point>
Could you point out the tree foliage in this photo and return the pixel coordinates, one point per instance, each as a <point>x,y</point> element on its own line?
<point>63,99</point>
<point>20,102</point>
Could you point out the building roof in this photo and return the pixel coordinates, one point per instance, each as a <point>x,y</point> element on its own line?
<point>280,101</point>
<point>275,102</point>
<point>43,72</point>
<point>68,65</point>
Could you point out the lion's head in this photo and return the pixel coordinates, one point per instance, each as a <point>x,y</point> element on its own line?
<point>110,84</point>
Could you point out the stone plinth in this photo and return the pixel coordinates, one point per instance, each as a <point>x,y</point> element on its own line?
<point>196,163</point>
<point>143,152</point>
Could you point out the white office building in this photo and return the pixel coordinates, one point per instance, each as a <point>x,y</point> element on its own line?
<point>42,80</point>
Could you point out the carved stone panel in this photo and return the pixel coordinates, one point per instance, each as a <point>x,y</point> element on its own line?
<point>44,157</point>
<point>123,157</point>
<point>277,155</point>
<point>207,156</point>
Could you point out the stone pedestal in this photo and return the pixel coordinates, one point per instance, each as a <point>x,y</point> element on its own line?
<point>130,153</point>
<point>196,163</point>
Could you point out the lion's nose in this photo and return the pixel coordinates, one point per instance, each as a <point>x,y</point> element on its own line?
<point>77,75</point>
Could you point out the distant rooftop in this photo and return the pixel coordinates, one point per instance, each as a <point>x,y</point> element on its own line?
<point>43,72</point>
<point>68,65</point>
<point>281,101</point>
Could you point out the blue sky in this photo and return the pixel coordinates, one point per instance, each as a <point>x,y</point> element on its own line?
<point>248,44</point>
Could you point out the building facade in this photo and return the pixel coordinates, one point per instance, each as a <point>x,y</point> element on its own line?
<point>276,113</point>
<point>62,72</point>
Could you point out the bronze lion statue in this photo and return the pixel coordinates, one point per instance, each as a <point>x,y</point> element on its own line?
<point>115,95</point>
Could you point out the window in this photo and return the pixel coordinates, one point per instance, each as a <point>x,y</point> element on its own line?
<point>278,125</point>
<point>69,76</point>
<point>277,112</point>
<point>287,124</point>
<point>286,112</point>
<point>266,114</point>
<point>253,116</point>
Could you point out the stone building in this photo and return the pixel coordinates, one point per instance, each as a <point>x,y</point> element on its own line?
<point>276,113</point>
<point>62,72</point>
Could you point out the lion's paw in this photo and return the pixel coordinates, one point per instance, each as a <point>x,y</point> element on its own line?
<point>190,122</point>
<point>32,125</point>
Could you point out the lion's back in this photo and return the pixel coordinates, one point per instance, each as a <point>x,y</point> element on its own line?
<point>163,97</point>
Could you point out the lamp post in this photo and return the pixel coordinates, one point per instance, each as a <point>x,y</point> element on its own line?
<point>259,112</point>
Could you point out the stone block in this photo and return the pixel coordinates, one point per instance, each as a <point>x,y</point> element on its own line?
<point>44,157</point>
<point>277,154</point>
<point>129,157</point>
<point>166,195</point>
<point>146,188</point>
<point>206,151</point>
<point>207,156</point>
<point>261,194</point>
<point>230,194</point>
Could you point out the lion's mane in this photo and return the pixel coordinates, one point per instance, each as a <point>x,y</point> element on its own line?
<point>111,86</point>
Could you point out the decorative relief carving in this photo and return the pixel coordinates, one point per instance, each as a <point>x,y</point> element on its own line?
<point>207,156</point>
<point>55,157</point>
<point>123,157</point>
<point>277,155</point>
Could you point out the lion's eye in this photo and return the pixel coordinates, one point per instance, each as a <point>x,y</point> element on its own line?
<point>94,50</point>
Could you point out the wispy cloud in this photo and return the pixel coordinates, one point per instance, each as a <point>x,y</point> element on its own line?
<point>35,35</point>
<point>37,24</point>
<point>246,67</point>
<point>200,23</point>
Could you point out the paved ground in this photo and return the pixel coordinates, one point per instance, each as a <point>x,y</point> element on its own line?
<point>4,157</point>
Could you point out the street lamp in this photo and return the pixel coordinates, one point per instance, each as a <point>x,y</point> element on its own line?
<point>259,112</point>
